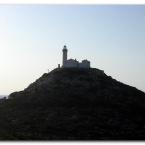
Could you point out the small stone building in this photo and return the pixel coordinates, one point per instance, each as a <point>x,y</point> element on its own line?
<point>73,63</point>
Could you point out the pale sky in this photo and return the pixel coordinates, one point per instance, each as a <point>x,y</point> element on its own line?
<point>32,38</point>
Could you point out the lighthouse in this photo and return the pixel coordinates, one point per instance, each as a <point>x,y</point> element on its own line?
<point>72,63</point>
<point>64,59</point>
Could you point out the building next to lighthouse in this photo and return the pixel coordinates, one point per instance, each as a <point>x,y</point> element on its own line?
<point>73,63</point>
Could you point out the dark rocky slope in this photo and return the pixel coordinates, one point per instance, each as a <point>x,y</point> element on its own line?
<point>74,104</point>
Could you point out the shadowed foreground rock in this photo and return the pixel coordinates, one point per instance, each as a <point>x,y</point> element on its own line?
<point>74,104</point>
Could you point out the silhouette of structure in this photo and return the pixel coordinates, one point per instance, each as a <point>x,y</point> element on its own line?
<point>73,63</point>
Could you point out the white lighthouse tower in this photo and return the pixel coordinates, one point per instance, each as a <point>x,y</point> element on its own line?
<point>72,63</point>
<point>64,59</point>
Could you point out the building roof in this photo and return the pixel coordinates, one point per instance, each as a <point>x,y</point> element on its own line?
<point>72,60</point>
<point>85,60</point>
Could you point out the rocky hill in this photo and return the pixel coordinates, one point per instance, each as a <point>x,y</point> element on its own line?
<point>74,104</point>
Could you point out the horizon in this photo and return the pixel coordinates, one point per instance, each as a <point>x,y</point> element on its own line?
<point>32,37</point>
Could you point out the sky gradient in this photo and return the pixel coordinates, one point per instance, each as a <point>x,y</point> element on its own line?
<point>112,37</point>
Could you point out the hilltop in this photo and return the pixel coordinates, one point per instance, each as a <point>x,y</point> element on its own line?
<point>74,104</point>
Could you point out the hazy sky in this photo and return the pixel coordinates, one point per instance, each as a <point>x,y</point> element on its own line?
<point>32,37</point>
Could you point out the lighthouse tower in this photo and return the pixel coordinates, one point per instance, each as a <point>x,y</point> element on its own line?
<point>64,59</point>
